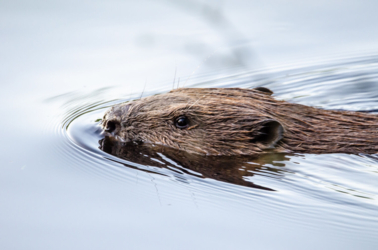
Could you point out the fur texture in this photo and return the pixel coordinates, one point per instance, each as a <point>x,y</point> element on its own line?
<point>233,121</point>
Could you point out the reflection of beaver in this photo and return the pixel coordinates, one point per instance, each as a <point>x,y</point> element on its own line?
<point>218,121</point>
<point>235,169</point>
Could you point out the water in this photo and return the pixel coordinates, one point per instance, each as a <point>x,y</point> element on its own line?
<point>63,64</point>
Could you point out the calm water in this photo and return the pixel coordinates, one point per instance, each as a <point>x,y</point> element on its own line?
<point>62,186</point>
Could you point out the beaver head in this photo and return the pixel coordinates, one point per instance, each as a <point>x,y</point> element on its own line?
<point>205,121</point>
<point>233,121</point>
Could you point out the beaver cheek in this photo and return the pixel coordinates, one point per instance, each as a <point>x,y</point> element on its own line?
<point>127,134</point>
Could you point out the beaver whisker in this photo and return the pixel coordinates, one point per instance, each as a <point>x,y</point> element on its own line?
<point>143,90</point>
<point>199,65</point>
<point>195,102</point>
<point>174,77</point>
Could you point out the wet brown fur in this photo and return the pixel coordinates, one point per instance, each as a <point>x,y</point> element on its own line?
<point>233,121</point>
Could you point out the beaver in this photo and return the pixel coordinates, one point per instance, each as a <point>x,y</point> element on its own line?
<point>236,121</point>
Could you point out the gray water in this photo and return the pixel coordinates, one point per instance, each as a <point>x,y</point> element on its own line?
<point>64,63</point>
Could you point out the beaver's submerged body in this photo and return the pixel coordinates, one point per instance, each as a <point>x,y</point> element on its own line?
<point>233,121</point>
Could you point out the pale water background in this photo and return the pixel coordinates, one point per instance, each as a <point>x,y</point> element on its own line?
<point>63,62</point>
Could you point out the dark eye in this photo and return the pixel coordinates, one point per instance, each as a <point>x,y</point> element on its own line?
<point>182,122</point>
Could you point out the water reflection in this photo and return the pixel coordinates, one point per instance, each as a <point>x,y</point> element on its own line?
<point>239,54</point>
<point>235,169</point>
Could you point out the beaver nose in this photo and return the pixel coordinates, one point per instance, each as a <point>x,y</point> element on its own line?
<point>110,126</point>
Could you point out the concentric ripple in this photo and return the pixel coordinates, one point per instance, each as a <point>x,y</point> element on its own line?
<point>310,185</point>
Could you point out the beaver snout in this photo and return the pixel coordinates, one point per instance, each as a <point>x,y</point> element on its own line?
<point>110,126</point>
<point>111,123</point>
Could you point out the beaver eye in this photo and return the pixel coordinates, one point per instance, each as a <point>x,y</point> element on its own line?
<point>182,122</point>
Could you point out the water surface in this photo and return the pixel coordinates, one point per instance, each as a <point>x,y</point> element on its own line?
<point>64,63</point>
<point>315,192</point>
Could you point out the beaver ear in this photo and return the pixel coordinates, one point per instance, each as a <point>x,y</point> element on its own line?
<point>264,90</point>
<point>268,133</point>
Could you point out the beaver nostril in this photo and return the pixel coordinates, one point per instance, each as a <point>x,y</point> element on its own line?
<point>110,126</point>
